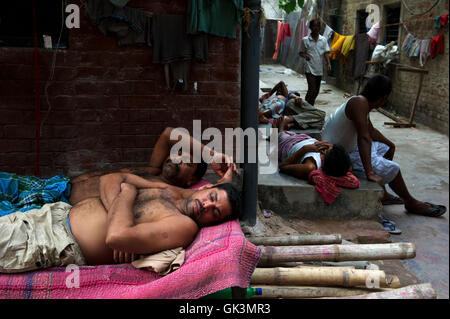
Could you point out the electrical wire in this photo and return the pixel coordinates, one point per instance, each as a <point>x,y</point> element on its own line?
<point>52,72</point>
<point>422,13</point>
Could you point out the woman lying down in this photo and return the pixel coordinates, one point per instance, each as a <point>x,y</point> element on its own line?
<point>300,154</point>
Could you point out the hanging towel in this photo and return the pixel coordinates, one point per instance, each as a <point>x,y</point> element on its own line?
<point>336,45</point>
<point>415,49</point>
<point>328,186</point>
<point>278,41</point>
<point>327,32</point>
<point>374,33</point>
<point>437,45</point>
<point>406,41</point>
<point>285,32</point>
<point>444,19</point>
<point>437,22</point>
<point>424,51</point>
<point>303,31</point>
<point>348,45</point>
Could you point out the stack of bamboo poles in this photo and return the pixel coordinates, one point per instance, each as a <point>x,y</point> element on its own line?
<point>336,281</point>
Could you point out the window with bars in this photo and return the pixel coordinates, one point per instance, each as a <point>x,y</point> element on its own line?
<point>16,23</point>
<point>392,17</point>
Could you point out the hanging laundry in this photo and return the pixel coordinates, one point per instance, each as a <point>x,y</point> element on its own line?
<point>219,17</point>
<point>303,31</point>
<point>362,54</point>
<point>444,20</point>
<point>173,48</point>
<point>424,51</point>
<point>283,31</point>
<point>408,44</point>
<point>415,49</point>
<point>130,25</point>
<point>336,46</point>
<point>437,22</point>
<point>437,45</point>
<point>374,33</point>
<point>327,32</point>
<point>348,45</point>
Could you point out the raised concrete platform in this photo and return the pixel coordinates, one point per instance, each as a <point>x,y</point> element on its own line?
<point>290,196</point>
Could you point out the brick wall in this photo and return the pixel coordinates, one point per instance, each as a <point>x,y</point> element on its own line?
<point>433,105</point>
<point>108,103</point>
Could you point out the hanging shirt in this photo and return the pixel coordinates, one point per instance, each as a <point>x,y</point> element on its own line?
<point>219,17</point>
<point>315,50</point>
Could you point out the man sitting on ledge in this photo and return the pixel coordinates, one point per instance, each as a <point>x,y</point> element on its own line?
<point>132,215</point>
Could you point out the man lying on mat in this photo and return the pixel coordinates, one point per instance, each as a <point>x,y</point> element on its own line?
<point>131,215</point>
<point>161,168</point>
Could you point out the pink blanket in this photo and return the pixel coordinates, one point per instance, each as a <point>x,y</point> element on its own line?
<point>218,258</point>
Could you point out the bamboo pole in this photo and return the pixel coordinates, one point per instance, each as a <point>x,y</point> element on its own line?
<point>297,240</point>
<point>421,291</point>
<point>326,276</point>
<point>272,255</point>
<point>297,292</point>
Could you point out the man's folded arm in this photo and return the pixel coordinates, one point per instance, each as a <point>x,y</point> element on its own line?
<point>110,185</point>
<point>145,238</point>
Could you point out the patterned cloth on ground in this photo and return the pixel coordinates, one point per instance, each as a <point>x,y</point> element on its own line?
<point>328,186</point>
<point>218,258</point>
<point>22,193</point>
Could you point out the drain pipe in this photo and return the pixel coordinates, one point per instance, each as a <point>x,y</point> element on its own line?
<point>249,109</point>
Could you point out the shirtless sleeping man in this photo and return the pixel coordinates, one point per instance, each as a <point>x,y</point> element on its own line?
<point>161,168</point>
<point>132,215</point>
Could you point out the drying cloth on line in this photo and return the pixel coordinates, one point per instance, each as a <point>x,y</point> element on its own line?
<point>336,45</point>
<point>328,186</point>
<point>444,19</point>
<point>23,193</point>
<point>424,51</point>
<point>374,33</point>
<point>437,45</point>
<point>219,257</point>
<point>283,31</point>
<point>327,33</point>
<point>163,262</point>
<point>348,45</point>
<point>362,54</point>
<point>130,25</point>
<point>219,17</point>
<point>172,43</point>
<point>303,32</point>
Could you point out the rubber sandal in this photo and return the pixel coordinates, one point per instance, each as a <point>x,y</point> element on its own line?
<point>384,219</point>
<point>391,228</point>
<point>392,201</point>
<point>433,211</point>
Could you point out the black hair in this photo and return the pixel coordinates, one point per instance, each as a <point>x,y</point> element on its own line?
<point>376,87</point>
<point>337,162</point>
<point>201,169</point>
<point>234,197</point>
<point>313,21</point>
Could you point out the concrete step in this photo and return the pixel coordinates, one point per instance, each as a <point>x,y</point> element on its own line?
<point>290,196</point>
